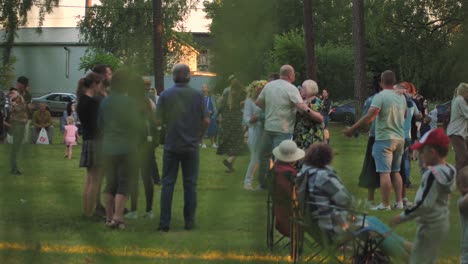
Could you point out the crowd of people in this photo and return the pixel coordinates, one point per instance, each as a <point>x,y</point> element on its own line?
<point>276,121</point>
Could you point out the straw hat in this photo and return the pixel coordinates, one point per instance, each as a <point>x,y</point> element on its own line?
<point>288,151</point>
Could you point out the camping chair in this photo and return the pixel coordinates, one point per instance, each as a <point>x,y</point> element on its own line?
<point>282,204</point>
<point>361,245</point>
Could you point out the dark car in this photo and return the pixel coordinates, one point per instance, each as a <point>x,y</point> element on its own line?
<point>344,113</point>
<point>56,103</point>
<point>442,111</point>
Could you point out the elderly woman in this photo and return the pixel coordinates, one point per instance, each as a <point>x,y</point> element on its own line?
<point>307,131</point>
<point>331,205</point>
<point>253,118</point>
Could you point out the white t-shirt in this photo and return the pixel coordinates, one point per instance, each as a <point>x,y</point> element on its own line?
<point>280,98</point>
<point>458,125</point>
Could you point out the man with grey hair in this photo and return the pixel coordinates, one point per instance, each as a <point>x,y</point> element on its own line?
<point>280,99</point>
<point>181,109</point>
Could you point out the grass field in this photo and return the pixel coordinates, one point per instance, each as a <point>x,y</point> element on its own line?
<point>40,213</point>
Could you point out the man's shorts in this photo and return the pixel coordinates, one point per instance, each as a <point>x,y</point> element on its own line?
<point>387,155</point>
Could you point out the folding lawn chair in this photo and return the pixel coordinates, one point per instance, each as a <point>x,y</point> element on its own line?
<point>359,246</point>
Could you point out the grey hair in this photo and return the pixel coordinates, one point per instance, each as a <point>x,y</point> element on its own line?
<point>181,73</point>
<point>310,87</point>
<point>462,88</point>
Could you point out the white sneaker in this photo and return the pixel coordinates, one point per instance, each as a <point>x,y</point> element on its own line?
<point>214,145</point>
<point>407,203</point>
<point>381,207</point>
<point>203,145</point>
<point>131,215</point>
<point>398,206</point>
<point>148,215</point>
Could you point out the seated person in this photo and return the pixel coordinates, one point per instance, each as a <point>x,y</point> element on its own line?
<point>70,111</point>
<point>42,119</point>
<point>331,202</point>
<point>287,154</point>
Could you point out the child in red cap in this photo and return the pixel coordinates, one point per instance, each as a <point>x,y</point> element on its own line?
<point>430,207</point>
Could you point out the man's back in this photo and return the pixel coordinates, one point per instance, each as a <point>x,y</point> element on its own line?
<point>280,98</point>
<point>391,119</point>
<point>181,109</point>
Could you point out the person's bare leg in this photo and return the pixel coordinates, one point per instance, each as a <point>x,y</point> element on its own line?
<point>86,206</point>
<point>109,205</point>
<point>370,194</point>
<point>69,151</point>
<point>212,141</point>
<point>385,187</point>
<point>232,159</point>
<point>397,185</point>
<point>95,189</point>
<point>99,187</point>
<point>120,201</point>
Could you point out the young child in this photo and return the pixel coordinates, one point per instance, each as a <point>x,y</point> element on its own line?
<point>70,136</point>
<point>287,154</point>
<point>425,126</point>
<point>430,207</point>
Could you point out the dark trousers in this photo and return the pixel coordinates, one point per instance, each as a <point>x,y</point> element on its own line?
<point>147,167</point>
<point>189,162</point>
<point>18,134</point>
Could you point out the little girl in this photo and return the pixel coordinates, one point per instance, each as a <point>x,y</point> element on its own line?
<point>70,136</point>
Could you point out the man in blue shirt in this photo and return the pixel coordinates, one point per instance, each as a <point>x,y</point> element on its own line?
<point>182,111</point>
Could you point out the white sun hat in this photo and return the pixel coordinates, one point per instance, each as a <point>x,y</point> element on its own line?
<point>288,151</point>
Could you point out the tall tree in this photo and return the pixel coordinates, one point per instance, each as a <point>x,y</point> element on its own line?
<point>158,57</point>
<point>14,14</point>
<point>360,73</point>
<point>311,63</point>
<point>123,28</point>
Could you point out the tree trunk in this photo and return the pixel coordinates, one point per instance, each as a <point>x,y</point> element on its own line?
<point>311,63</point>
<point>158,63</point>
<point>360,78</point>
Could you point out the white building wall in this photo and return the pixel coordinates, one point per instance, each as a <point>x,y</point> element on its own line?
<point>47,67</point>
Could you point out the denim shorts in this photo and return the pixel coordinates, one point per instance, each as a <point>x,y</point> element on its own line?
<point>387,155</point>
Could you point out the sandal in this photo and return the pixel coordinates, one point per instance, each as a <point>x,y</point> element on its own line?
<point>117,224</point>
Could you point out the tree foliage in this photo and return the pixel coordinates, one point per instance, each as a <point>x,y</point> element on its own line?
<point>14,14</point>
<point>423,41</point>
<point>92,58</point>
<point>289,48</point>
<point>124,28</point>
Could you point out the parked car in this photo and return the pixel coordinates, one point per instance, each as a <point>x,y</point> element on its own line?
<point>56,103</point>
<point>442,111</point>
<point>344,113</point>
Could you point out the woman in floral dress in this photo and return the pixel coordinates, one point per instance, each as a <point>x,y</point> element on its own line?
<point>307,131</point>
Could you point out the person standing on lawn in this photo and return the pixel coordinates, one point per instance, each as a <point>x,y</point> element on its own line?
<point>119,125</point>
<point>431,202</point>
<point>87,110</point>
<point>458,126</point>
<point>280,100</point>
<point>182,110</point>
<point>388,108</point>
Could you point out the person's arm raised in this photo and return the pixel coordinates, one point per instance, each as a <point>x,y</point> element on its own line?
<point>364,121</point>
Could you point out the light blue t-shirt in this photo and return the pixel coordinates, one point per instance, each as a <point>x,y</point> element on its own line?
<point>412,111</point>
<point>390,122</point>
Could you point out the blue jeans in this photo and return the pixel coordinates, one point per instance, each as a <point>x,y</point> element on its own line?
<point>189,162</point>
<point>270,140</point>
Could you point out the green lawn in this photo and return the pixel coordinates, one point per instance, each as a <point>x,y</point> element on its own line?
<point>40,213</point>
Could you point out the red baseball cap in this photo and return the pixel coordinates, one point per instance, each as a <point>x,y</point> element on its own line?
<point>434,137</point>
